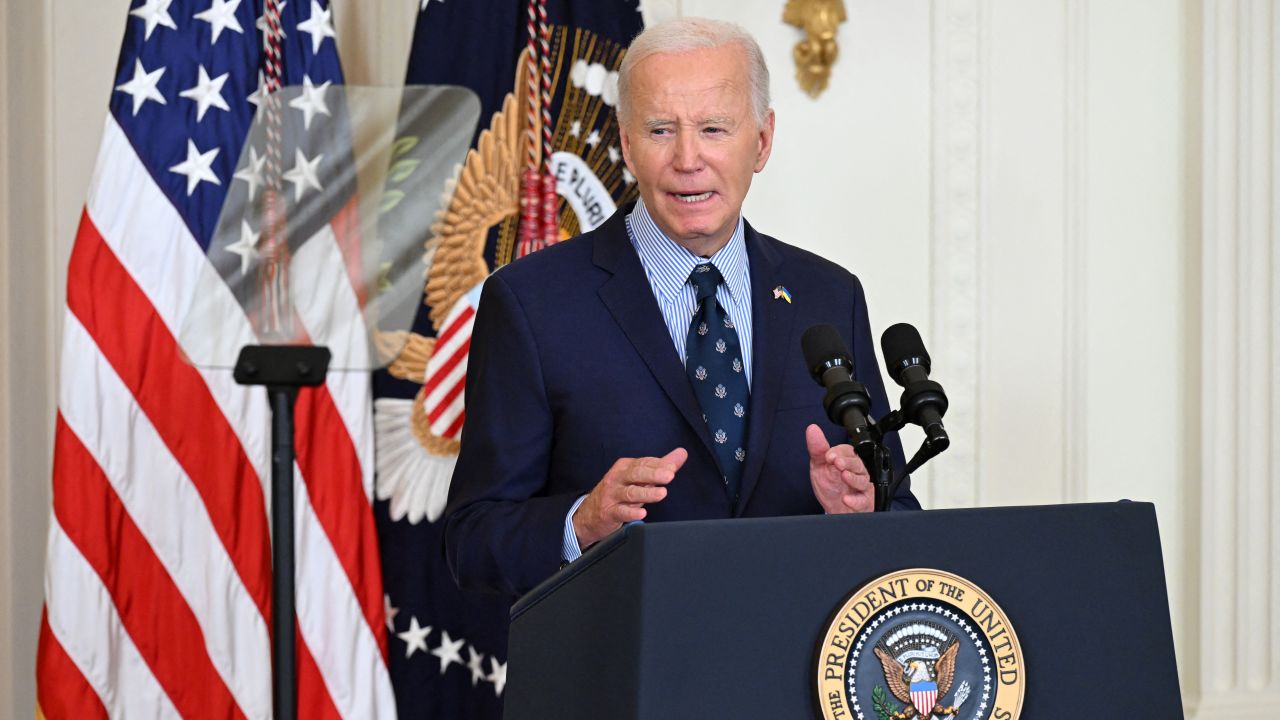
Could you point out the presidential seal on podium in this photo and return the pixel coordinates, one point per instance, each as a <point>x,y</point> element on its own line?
<point>923,644</point>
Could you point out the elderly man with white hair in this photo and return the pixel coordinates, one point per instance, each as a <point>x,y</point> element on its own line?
<point>651,369</point>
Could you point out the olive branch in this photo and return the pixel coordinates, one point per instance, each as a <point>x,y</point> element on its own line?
<point>880,702</point>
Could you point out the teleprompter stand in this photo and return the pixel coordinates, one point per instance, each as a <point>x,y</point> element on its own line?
<point>282,369</point>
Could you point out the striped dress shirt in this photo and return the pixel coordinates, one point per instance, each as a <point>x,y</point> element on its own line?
<point>667,266</point>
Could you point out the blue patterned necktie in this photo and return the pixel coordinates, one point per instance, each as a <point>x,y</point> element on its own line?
<point>713,361</point>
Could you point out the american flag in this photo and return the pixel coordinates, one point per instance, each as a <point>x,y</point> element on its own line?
<point>158,581</point>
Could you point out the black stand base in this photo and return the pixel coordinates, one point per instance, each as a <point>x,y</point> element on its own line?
<point>282,369</point>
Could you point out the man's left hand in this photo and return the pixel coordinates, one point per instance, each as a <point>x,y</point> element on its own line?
<point>840,480</point>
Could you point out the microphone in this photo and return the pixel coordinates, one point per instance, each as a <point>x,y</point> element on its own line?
<point>846,402</point>
<point>923,400</point>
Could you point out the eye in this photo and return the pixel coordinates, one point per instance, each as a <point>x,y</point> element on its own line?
<point>713,130</point>
<point>660,132</point>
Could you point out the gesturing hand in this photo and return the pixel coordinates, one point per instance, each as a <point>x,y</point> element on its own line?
<point>840,481</point>
<point>621,495</point>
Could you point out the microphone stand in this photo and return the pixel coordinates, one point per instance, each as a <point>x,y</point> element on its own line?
<point>876,459</point>
<point>875,456</point>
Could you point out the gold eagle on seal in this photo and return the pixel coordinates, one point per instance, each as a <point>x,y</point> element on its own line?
<point>900,677</point>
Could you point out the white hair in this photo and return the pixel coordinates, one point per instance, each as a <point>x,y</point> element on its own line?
<point>685,34</point>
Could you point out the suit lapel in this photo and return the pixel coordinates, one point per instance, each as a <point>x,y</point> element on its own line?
<point>630,300</point>
<point>771,331</point>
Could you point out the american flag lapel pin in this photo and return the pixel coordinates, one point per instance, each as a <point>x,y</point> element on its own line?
<point>781,293</point>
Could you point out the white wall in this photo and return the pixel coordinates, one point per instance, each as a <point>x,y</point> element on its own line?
<point>1024,181</point>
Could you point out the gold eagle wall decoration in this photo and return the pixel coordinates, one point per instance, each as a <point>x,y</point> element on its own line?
<point>815,54</point>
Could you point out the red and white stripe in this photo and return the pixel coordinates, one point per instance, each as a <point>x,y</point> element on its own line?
<point>924,700</point>
<point>158,571</point>
<point>446,374</point>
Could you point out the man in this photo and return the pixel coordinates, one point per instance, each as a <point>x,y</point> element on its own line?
<point>651,369</point>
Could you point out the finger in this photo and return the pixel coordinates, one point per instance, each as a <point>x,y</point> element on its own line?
<point>857,503</point>
<point>627,513</point>
<point>641,494</point>
<point>643,474</point>
<point>675,459</point>
<point>841,452</point>
<point>659,470</point>
<point>855,482</point>
<point>620,468</point>
<point>816,443</point>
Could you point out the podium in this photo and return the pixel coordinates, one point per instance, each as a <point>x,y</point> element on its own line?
<point>741,618</point>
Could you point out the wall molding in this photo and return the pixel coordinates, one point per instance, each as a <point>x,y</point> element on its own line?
<point>956,117</point>
<point>1076,252</point>
<point>1239,617</point>
<point>27,271</point>
<point>1246,706</point>
<point>6,412</point>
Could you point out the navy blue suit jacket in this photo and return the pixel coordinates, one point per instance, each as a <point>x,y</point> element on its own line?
<point>572,367</point>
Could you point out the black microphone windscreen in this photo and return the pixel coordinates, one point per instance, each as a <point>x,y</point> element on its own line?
<point>902,346</point>
<point>821,344</point>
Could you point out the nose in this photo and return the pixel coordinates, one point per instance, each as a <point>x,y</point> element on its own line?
<point>688,153</point>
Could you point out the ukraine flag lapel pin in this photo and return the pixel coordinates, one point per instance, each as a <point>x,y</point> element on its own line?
<point>781,293</point>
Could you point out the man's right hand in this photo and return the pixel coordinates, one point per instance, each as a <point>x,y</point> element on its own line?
<point>621,495</point>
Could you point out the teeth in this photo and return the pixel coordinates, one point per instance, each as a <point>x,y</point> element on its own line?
<point>694,198</point>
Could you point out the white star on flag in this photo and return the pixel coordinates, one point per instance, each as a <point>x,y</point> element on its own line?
<point>303,174</point>
<point>221,15</point>
<point>311,101</point>
<point>207,93</point>
<point>252,171</point>
<point>614,155</point>
<point>246,247</point>
<point>197,167</point>
<point>255,97</point>
<point>627,177</point>
<point>155,13</point>
<point>474,664</point>
<point>576,128</point>
<point>593,139</point>
<point>387,608</point>
<point>143,86</point>
<point>449,652</point>
<point>415,637</point>
<point>319,26</point>
<point>498,675</point>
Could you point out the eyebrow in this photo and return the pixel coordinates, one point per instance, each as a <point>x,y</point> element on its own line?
<point>714,120</point>
<point>717,120</point>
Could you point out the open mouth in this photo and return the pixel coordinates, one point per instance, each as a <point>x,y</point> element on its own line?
<point>692,197</point>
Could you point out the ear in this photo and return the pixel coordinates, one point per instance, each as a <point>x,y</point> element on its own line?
<point>765,141</point>
<point>624,137</point>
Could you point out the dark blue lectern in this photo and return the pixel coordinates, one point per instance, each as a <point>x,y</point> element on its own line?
<point>725,618</point>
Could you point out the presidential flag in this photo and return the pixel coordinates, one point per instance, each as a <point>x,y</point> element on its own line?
<point>546,164</point>
<point>158,580</point>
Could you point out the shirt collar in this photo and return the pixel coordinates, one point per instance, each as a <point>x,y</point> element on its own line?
<point>669,263</point>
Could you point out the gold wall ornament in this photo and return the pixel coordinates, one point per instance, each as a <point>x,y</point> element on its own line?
<point>817,52</point>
